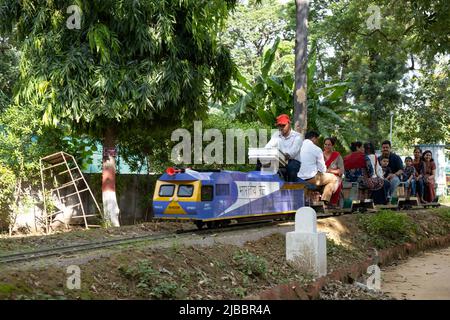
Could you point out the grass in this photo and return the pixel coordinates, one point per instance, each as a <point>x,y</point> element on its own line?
<point>387,228</point>
<point>250,264</point>
<point>444,213</point>
<point>333,248</point>
<point>6,288</point>
<point>151,282</point>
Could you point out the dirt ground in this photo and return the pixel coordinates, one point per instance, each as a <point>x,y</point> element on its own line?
<point>203,269</point>
<point>423,277</point>
<point>336,290</point>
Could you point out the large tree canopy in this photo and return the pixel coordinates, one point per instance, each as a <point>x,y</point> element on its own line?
<point>251,28</point>
<point>120,67</point>
<point>380,62</point>
<point>146,59</point>
<point>9,57</point>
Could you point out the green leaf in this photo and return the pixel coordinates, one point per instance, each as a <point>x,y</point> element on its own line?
<point>269,57</point>
<point>277,87</point>
<point>266,117</point>
<point>243,81</point>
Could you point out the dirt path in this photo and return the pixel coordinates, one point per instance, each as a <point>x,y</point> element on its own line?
<point>423,277</point>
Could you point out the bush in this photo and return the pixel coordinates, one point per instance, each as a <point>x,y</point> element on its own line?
<point>7,185</point>
<point>387,227</point>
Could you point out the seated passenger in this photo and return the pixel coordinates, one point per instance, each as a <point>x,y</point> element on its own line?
<point>428,174</point>
<point>395,164</point>
<point>355,163</point>
<point>409,176</point>
<point>385,166</point>
<point>313,169</point>
<point>418,165</point>
<point>374,180</point>
<point>289,143</point>
<point>335,165</point>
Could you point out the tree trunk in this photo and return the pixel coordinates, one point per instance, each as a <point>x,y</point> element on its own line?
<point>373,125</point>
<point>374,113</point>
<point>301,63</point>
<point>110,205</point>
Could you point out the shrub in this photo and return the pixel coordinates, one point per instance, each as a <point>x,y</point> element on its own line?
<point>387,227</point>
<point>7,185</point>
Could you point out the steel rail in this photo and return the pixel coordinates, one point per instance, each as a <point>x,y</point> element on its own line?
<point>49,252</point>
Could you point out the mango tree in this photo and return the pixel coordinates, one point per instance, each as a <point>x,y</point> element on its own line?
<point>105,66</point>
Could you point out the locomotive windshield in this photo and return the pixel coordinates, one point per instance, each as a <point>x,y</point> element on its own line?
<point>185,190</point>
<point>166,190</point>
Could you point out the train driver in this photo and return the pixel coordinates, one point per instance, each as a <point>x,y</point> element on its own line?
<point>289,142</point>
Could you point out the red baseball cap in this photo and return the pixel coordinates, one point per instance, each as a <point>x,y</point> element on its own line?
<point>283,119</point>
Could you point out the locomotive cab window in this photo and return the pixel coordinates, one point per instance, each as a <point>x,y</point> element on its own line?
<point>207,193</point>
<point>166,190</point>
<point>222,189</point>
<point>185,190</point>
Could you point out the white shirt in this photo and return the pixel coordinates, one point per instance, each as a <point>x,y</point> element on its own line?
<point>288,145</point>
<point>312,160</point>
<point>377,170</point>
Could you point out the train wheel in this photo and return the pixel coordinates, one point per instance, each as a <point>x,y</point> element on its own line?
<point>362,210</point>
<point>224,223</point>
<point>212,224</point>
<point>199,224</point>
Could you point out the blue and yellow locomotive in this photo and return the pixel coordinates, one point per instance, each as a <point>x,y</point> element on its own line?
<point>216,197</point>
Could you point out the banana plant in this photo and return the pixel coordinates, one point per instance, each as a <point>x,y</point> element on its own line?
<point>269,95</point>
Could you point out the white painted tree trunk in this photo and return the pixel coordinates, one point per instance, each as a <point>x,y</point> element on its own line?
<point>111,208</point>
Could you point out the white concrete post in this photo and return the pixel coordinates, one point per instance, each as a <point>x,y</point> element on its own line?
<point>306,247</point>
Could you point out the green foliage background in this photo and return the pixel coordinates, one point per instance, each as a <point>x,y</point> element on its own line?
<point>146,68</point>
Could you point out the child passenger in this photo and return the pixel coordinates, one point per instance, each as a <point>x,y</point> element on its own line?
<point>385,167</point>
<point>409,176</point>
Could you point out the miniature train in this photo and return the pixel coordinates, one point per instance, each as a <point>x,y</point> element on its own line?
<point>216,197</point>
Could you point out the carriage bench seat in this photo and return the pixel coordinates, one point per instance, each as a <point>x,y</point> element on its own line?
<point>309,186</point>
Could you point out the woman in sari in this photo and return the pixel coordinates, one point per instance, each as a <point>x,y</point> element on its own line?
<point>418,165</point>
<point>429,172</point>
<point>335,165</point>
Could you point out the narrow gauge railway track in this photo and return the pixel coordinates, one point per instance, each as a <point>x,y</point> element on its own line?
<point>57,251</point>
<point>70,249</point>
